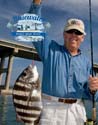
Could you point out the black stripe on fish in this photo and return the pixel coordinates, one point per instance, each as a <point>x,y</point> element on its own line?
<point>24,98</point>
<point>27,115</point>
<point>27,107</point>
<point>22,88</point>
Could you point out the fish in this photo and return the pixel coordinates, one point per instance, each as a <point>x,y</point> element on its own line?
<point>27,98</point>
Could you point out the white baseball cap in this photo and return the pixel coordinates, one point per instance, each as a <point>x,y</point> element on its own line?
<point>75,24</point>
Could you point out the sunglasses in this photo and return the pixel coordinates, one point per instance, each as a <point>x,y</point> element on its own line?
<point>76,32</point>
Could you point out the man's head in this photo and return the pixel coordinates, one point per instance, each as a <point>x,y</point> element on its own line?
<point>75,24</point>
<point>74,32</point>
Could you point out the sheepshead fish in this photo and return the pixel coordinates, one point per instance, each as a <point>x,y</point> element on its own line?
<point>27,96</point>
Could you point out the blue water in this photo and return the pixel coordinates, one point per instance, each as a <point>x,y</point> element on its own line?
<point>7,111</point>
<point>8,116</point>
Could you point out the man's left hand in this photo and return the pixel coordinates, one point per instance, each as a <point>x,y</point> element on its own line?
<point>93,83</point>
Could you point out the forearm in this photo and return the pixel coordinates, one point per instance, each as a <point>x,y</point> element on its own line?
<point>35,8</point>
<point>40,45</point>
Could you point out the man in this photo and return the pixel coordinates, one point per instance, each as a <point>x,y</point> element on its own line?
<point>66,75</point>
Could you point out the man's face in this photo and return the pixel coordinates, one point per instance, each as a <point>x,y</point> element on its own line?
<point>72,40</point>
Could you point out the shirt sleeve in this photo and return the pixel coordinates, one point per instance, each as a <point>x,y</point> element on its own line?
<point>42,47</point>
<point>87,91</point>
<point>87,94</point>
<point>35,9</point>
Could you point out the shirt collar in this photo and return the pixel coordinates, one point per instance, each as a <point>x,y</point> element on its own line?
<point>66,50</point>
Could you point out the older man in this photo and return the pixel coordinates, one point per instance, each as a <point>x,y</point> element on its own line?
<point>66,75</point>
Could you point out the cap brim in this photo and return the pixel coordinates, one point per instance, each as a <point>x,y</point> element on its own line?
<point>75,27</point>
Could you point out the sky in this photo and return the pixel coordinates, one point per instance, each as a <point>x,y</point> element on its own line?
<point>56,13</point>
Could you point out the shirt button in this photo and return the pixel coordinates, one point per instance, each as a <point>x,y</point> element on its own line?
<point>69,87</point>
<point>71,75</point>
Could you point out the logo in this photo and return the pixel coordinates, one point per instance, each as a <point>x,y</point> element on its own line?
<point>27,28</point>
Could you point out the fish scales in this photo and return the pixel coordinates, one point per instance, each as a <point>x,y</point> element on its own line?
<point>27,96</point>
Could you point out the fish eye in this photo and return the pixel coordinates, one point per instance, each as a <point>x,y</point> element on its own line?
<point>24,73</point>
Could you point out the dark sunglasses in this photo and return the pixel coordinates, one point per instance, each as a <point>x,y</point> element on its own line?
<point>74,31</point>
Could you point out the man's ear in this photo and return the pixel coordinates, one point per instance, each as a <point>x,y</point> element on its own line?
<point>83,36</point>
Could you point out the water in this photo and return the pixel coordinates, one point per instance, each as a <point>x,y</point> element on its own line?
<point>7,111</point>
<point>8,115</point>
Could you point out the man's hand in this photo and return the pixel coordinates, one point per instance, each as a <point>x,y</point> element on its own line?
<point>93,83</point>
<point>37,1</point>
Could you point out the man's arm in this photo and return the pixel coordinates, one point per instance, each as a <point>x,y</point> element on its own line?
<point>35,7</point>
<point>42,47</point>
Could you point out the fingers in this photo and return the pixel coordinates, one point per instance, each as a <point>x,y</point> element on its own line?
<point>93,83</point>
<point>37,1</point>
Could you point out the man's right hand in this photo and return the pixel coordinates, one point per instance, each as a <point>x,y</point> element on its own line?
<point>37,1</point>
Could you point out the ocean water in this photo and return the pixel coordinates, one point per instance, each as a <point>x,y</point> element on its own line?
<point>8,115</point>
<point>7,111</point>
